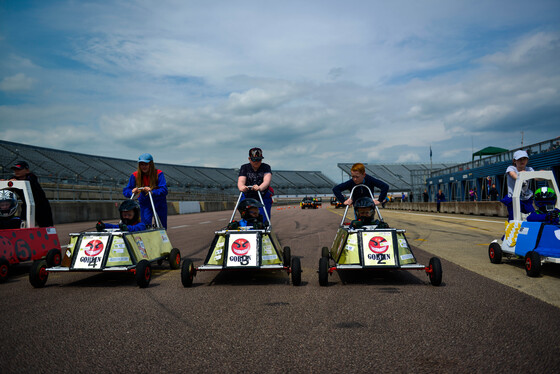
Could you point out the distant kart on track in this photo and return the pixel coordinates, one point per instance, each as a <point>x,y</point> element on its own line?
<point>537,243</point>
<point>372,247</point>
<point>113,250</point>
<point>244,248</point>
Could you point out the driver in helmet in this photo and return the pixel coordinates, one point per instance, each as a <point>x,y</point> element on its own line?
<point>8,208</point>
<point>364,210</point>
<point>250,215</point>
<point>130,218</point>
<point>545,200</point>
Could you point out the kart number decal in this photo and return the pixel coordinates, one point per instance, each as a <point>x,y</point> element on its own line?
<point>378,248</point>
<point>242,250</point>
<point>93,248</point>
<point>378,244</point>
<point>241,247</point>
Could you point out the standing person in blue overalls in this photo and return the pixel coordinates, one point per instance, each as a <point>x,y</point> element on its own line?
<point>151,180</point>
<point>258,175</point>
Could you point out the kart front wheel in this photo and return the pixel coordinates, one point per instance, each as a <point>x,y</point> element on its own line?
<point>435,271</point>
<point>287,256</point>
<point>324,271</point>
<point>296,271</point>
<point>4,270</point>
<point>175,259</point>
<point>533,264</point>
<point>325,252</point>
<point>38,274</point>
<point>54,257</point>
<point>143,273</point>
<point>188,271</point>
<point>495,253</point>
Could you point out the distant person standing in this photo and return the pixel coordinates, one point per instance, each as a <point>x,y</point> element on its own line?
<point>493,193</point>
<point>43,212</point>
<point>257,175</point>
<point>144,180</point>
<point>439,198</point>
<point>425,196</point>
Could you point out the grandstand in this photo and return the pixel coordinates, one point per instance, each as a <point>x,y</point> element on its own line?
<point>70,168</point>
<point>403,177</point>
<point>457,180</point>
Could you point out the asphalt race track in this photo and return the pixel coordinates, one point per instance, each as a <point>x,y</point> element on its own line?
<point>484,318</point>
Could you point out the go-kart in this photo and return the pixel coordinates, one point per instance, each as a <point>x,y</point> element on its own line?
<point>535,242</point>
<point>27,243</point>
<point>114,250</point>
<point>372,247</point>
<point>244,248</point>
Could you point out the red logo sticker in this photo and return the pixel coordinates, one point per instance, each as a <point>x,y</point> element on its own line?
<point>94,248</point>
<point>240,247</point>
<point>378,244</point>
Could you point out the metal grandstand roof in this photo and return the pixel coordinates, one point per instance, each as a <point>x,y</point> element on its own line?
<point>71,167</point>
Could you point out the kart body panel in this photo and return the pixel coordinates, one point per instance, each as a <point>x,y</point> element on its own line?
<point>113,250</point>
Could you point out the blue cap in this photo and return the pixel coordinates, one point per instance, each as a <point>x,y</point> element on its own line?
<point>145,157</point>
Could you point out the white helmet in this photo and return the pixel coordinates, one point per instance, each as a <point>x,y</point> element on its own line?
<point>8,203</point>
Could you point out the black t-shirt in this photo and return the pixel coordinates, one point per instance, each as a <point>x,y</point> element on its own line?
<point>254,177</point>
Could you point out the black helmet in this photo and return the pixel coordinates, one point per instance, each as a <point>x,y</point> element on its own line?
<point>246,204</point>
<point>8,203</point>
<point>365,202</point>
<point>545,198</point>
<point>127,206</point>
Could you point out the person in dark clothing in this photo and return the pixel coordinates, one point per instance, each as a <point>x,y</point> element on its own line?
<point>256,176</point>
<point>426,196</point>
<point>439,197</point>
<point>493,193</point>
<point>358,175</point>
<point>43,212</point>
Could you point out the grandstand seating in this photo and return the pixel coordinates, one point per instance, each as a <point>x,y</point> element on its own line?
<point>58,166</point>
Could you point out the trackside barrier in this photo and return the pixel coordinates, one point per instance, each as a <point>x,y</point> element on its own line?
<point>478,208</point>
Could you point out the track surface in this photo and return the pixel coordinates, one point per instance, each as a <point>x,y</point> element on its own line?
<point>484,317</point>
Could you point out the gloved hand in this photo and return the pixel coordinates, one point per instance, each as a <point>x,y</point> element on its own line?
<point>383,225</point>
<point>356,224</point>
<point>233,225</point>
<point>100,226</point>
<point>552,217</point>
<point>123,227</point>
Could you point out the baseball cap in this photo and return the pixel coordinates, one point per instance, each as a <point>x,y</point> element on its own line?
<point>255,154</point>
<point>520,154</point>
<point>146,158</point>
<point>20,165</point>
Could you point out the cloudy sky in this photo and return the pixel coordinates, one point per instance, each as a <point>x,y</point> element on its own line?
<point>313,83</point>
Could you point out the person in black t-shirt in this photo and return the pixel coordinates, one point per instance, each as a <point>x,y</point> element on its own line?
<point>256,176</point>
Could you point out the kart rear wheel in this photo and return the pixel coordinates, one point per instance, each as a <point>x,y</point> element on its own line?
<point>188,271</point>
<point>296,271</point>
<point>54,257</point>
<point>175,259</point>
<point>324,271</point>
<point>143,273</point>
<point>533,264</point>
<point>287,256</point>
<point>495,253</point>
<point>38,274</point>
<point>435,271</point>
<point>4,270</point>
<point>325,252</point>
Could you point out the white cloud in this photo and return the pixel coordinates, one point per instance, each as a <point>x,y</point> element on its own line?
<point>18,82</point>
